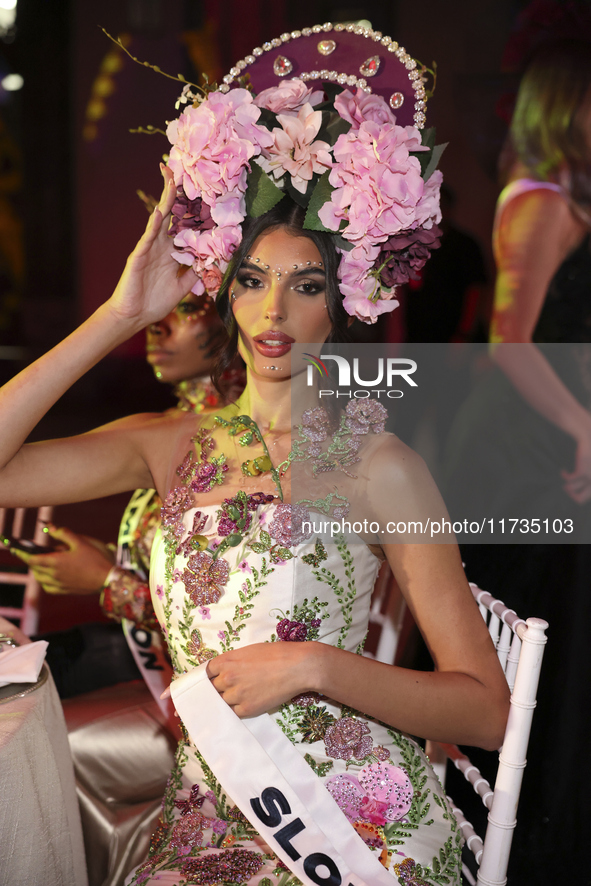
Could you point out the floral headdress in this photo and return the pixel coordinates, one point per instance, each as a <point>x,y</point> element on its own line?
<point>329,139</point>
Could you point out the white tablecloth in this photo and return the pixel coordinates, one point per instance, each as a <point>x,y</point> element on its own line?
<point>40,833</point>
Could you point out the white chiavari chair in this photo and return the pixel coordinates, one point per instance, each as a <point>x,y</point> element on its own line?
<point>13,522</point>
<point>520,646</point>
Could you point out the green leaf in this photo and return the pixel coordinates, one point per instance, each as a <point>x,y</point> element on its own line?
<point>265,538</point>
<point>262,194</point>
<point>331,90</point>
<point>234,539</point>
<point>428,137</point>
<point>431,160</point>
<point>320,196</point>
<point>267,118</point>
<point>340,241</point>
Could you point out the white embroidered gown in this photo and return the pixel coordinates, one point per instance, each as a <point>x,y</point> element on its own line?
<point>268,589</point>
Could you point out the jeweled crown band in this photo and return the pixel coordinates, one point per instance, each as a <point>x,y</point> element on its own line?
<point>284,65</point>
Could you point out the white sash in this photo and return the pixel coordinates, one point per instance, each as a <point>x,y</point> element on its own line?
<point>275,789</point>
<point>146,646</point>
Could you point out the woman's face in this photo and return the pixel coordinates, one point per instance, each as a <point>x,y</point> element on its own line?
<point>180,346</point>
<point>280,298</point>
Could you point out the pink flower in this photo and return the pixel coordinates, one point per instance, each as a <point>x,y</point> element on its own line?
<point>348,738</point>
<point>287,525</point>
<point>361,106</point>
<point>382,793</point>
<point>205,577</point>
<point>315,424</point>
<point>204,612</point>
<point>212,278</point>
<point>288,97</point>
<point>294,149</point>
<point>365,415</point>
<point>244,567</point>
<point>159,591</point>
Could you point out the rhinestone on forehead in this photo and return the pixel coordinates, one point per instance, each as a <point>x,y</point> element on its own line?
<point>342,78</point>
<point>278,271</point>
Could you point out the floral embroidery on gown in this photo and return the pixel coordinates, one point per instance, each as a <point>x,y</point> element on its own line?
<point>249,570</point>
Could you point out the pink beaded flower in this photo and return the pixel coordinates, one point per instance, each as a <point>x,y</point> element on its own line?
<point>205,577</point>
<point>175,504</point>
<point>382,793</point>
<point>287,526</point>
<point>363,416</point>
<point>348,738</point>
<point>229,866</point>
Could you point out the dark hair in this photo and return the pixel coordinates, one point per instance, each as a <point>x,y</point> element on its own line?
<point>289,215</point>
<point>548,126</point>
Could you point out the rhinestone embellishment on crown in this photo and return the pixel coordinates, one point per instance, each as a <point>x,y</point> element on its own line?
<point>414,76</point>
<point>282,66</point>
<point>396,100</point>
<point>370,66</point>
<point>325,47</point>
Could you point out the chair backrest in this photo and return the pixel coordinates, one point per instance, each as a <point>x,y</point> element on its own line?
<point>12,522</point>
<point>520,647</point>
<point>386,618</point>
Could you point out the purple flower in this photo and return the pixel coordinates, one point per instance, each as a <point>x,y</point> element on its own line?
<point>296,631</point>
<point>406,253</point>
<point>348,738</point>
<point>204,612</point>
<point>159,591</point>
<point>244,567</point>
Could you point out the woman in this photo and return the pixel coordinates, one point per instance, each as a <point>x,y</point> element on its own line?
<point>523,439</point>
<point>240,584</point>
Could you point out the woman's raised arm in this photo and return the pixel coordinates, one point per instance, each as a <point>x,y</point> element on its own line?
<point>111,459</point>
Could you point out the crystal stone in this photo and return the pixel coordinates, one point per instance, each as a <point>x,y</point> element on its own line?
<point>282,66</point>
<point>370,66</point>
<point>325,47</point>
<point>396,100</point>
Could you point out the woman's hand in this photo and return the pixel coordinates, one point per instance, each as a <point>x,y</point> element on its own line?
<point>577,483</point>
<point>80,568</point>
<point>153,283</point>
<point>260,677</point>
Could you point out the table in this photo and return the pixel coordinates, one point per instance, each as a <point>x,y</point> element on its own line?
<point>40,832</point>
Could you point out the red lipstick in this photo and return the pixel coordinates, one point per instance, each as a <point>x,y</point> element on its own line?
<point>273,344</point>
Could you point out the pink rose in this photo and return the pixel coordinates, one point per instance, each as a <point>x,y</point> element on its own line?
<point>212,279</point>
<point>348,738</point>
<point>361,106</point>
<point>288,96</point>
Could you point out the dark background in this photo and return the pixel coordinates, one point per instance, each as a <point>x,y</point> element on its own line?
<point>70,168</point>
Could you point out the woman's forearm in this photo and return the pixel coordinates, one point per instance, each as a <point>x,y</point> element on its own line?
<point>442,706</point>
<point>537,382</point>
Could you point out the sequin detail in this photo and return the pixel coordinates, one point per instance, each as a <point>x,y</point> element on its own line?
<point>287,526</point>
<point>348,738</point>
<point>205,577</point>
<point>363,416</point>
<point>229,866</point>
<point>382,793</point>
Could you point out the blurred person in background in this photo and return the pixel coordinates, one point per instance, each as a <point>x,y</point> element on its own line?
<point>523,438</point>
<point>181,349</point>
